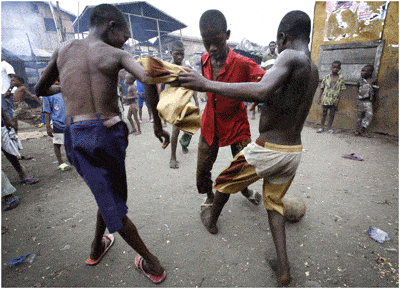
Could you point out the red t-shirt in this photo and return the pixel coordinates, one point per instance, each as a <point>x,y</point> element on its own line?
<point>230,115</point>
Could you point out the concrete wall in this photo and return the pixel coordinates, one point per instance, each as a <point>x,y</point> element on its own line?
<point>347,28</point>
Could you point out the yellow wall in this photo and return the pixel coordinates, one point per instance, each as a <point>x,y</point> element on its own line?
<point>345,26</point>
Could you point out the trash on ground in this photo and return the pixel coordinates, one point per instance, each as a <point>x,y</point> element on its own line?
<point>28,258</point>
<point>378,235</point>
<point>353,156</point>
<point>66,247</point>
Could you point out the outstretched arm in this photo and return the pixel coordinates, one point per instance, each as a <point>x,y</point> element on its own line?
<point>134,68</point>
<point>45,86</point>
<point>25,90</point>
<point>247,91</point>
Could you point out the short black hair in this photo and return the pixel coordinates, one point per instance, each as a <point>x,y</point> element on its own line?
<point>19,78</point>
<point>212,21</point>
<point>337,62</point>
<point>370,66</point>
<point>296,24</point>
<point>105,13</point>
<point>177,45</point>
<point>272,42</point>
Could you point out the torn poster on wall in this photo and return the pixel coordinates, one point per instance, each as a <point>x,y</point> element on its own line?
<point>363,10</point>
<point>340,25</point>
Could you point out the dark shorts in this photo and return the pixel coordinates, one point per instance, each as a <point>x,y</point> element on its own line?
<point>325,108</point>
<point>98,154</point>
<point>57,129</point>
<point>142,99</point>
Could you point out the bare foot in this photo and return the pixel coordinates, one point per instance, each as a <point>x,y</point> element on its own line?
<point>254,198</point>
<point>283,274</point>
<point>173,164</point>
<point>205,216</point>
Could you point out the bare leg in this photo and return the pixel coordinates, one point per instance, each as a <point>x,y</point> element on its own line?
<point>323,119</point>
<point>331,117</point>
<point>209,216</point>
<point>129,117</point>
<point>98,245</point>
<point>57,152</point>
<point>130,234</point>
<point>173,163</point>
<point>135,116</point>
<point>140,113</point>
<point>150,114</point>
<point>16,164</point>
<point>206,157</point>
<point>281,265</point>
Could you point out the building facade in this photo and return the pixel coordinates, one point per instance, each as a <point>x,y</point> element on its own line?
<point>359,33</point>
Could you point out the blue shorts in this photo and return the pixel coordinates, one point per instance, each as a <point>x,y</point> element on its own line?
<point>98,154</point>
<point>7,103</point>
<point>142,98</point>
<point>57,129</point>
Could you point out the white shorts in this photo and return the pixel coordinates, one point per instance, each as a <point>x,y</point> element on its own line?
<point>58,138</point>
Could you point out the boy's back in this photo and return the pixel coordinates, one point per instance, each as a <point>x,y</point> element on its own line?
<point>283,115</point>
<point>89,74</point>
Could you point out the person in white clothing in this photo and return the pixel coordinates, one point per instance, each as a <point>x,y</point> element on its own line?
<point>7,101</point>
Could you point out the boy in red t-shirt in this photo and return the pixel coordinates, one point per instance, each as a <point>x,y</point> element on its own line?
<point>224,121</point>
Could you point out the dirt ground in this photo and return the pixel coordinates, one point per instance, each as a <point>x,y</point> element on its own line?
<point>329,247</point>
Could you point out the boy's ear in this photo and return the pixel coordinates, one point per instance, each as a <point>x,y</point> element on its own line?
<point>228,34</point>
<point>112,24</point>
<point>284,37</point>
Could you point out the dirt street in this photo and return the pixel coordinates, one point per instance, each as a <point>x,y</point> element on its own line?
<point>329,247</point>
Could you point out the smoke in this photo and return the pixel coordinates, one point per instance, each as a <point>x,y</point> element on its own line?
<point>20,24</point>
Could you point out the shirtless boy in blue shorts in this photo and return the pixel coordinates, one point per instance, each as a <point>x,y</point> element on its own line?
<point>286,91</point>
<point>95,136</point>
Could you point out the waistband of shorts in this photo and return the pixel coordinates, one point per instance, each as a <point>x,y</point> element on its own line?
<point>280,148</point>
<point>109,119</point>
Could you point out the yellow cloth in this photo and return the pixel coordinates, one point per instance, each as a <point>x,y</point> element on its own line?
<point>174,105</point>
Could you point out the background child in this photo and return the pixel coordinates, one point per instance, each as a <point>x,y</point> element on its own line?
<point>142,99</point>
<point>366,95</point>
<point>132,99</point>
<point>178,54</point>
<point>331,88</point>
<point>55,117</point>
<point>22,110</point>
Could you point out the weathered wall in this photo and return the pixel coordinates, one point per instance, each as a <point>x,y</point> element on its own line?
<point>355,23</point>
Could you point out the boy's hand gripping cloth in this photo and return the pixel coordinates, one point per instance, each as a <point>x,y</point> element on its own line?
<point>174,105</point>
